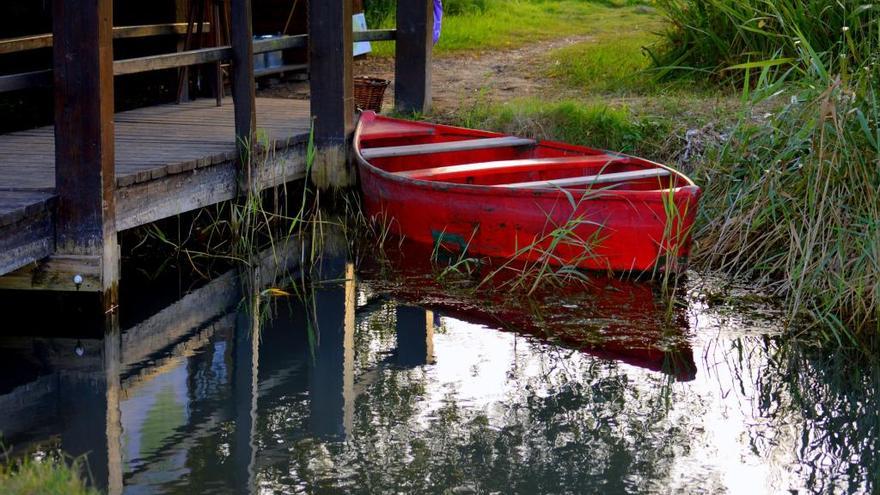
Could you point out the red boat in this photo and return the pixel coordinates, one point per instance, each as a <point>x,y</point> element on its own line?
<point>516,198</point>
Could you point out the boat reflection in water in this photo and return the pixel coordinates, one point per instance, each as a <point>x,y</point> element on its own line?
<point>608,317</point>
<point>365,384</point>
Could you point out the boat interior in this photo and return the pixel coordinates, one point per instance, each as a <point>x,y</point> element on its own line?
<point>426,152</point>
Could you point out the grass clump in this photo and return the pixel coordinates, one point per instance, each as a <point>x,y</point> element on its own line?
<point>48,476</point>
<point>793,204</point>
<point>597,125</point>
<point>791,199</point>
<point>722,37</point>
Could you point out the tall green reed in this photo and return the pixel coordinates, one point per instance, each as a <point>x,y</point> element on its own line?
<point>791,199</point>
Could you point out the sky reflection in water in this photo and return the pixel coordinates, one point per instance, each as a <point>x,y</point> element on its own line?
<point>369,386</point>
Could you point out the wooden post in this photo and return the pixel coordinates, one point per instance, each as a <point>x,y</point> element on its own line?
<point>85,177</point>
<point>181,9</point>
<point>331,84</point>
<point>243,85</point>
<point>412,62</point>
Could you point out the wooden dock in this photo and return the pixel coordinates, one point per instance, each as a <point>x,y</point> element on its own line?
<point>169,159</point>
<point>67,190</point>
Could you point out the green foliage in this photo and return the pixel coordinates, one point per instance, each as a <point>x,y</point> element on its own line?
<point>612,66</point>
<point>45,477</point>
<point>791,200</point>
<point>379,12</point>
<point>612,59</point>
<point>725,37</point>
<point>470,25</point>
<point>465,7</point>
<point>793,203</point>
<point>595,125</point>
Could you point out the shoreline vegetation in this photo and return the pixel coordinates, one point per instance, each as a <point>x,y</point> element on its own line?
<point>50,475</point>
<point>772,108</point>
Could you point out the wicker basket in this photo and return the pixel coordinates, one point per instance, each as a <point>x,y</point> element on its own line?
<point>368,92</point>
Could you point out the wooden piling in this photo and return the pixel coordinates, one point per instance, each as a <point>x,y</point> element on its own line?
<point>332,98</point>
<point>85,178</point>
<point>243,85</point>
<point>412,62</point>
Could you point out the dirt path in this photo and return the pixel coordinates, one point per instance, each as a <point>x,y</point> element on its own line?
<point>459,79</point>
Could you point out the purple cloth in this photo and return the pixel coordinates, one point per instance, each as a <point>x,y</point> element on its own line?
<point>438,19</point>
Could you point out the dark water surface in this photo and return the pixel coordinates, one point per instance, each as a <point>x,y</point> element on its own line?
<point>366,383</point>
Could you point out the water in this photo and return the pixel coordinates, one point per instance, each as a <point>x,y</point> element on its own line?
<point>401,384</point>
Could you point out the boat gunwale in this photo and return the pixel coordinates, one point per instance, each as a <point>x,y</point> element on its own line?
<point>603,193</point>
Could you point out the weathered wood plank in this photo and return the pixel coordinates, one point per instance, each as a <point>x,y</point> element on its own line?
<point>26,233</point>
<point>34,42</point>
<point>450,146</point>
<point>59,272</point>
<point>281,43</point>
<point>156,141</point>
<point>376,35</point>
<point>171,60</point>
<point>146,202</point>
<point>37,41</point>
<point>412,61</point>
<point>180,163</point>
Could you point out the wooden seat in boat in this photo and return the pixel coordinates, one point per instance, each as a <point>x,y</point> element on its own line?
<point>495,166</point>
<point>592,179</point>
<point>444,147</point>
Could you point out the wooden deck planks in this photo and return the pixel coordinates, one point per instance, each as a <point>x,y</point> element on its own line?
<point>159,151</point>
<point>26,232</point>
<point>156,141</point>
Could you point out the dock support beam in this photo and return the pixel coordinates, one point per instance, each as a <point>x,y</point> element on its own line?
<point>412,61</point>
<point>85,177</point>
<point>243,85</point>
<point>331,86</point>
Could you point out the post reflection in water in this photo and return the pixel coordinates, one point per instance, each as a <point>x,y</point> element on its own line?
<point>365,385</point>
<point>415,336</point>
<point>332,368</point>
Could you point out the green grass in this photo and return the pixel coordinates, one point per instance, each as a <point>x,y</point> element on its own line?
<point>721,38</point>
<point>649,126</point>
<point>500,24</point>
<point>597,125</point>
<point>614,58</point>
<point>45,477</point>
<point>791,199</point>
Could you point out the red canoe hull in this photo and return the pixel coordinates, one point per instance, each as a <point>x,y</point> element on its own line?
<point>625,230</point>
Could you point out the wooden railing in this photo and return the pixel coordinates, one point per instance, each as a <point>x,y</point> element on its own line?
<point>43,78</point>
<point>37,41</point>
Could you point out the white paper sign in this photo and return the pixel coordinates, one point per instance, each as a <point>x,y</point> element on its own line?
<point>359,23</point>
